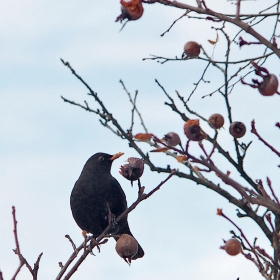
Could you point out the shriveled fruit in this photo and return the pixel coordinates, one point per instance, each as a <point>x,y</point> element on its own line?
<point>126,247</point>
<point>131,10</point>
<point>237,129</point>
<point>192,49</point>
<point>133,170</point>
<point>216,121</point>
<point>193,131</point>
<point>172,139</point>
<point>233,247</point>
<point>268,86</point>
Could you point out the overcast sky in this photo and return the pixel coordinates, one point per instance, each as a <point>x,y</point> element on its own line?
<point>45,142</point>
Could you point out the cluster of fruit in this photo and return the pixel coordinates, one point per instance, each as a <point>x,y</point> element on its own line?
<point>193,131</point>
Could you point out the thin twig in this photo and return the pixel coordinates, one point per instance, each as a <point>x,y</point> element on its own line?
<point>174,23</point>
<point>254,131</point>
<point>23,261</point>
<point>71,241</point>
<point>196,84</point>
<point>17,250</point>
<point>208,59</point>
<point>271,189</point>
<point>133,102</point>
<point>233,20</point>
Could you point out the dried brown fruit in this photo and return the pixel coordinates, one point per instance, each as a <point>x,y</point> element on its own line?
<point>269,85</point>
<point>192,49</point>
<point>127,247</point>
<point>216,121</point>
<point>233,247</point>
<point>172,139</point>
<point>237,129</point>
<point>131,10</point>
<point>133,170</point>
<point>193,131</point>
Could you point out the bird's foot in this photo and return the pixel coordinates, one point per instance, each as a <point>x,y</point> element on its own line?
<point>93,243</point>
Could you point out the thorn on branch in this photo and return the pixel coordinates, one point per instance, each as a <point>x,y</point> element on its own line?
<point>242,42</point>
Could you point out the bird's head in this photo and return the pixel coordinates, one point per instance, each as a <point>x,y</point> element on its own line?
<point>101,162</point>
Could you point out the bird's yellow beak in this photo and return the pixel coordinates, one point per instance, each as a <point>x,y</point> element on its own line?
<point>115,156</point>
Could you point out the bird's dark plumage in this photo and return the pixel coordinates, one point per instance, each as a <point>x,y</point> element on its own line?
<point>94,191</point>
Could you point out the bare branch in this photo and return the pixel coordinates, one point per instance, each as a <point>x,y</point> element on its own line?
<point>17,250</point>
<point>23,261</point>
<point>133,102</point>
<point>223,17</point>
<point>174,23</point>
<point>271,205</point>
<point>254,131</point>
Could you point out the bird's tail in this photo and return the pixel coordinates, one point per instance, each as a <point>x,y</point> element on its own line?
<point>126,230</point>
<point>140,253</point>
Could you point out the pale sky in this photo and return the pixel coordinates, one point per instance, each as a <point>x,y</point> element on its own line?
<point>45,142</point>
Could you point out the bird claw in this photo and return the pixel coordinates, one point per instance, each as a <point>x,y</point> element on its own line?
<point>93,243</point>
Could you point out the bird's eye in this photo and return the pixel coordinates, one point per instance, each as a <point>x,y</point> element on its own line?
<point>101,158</point>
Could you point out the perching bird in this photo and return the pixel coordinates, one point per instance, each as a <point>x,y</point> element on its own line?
<point>95,191</point>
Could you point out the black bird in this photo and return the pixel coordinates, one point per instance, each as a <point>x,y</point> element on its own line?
<point>95,191</point>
